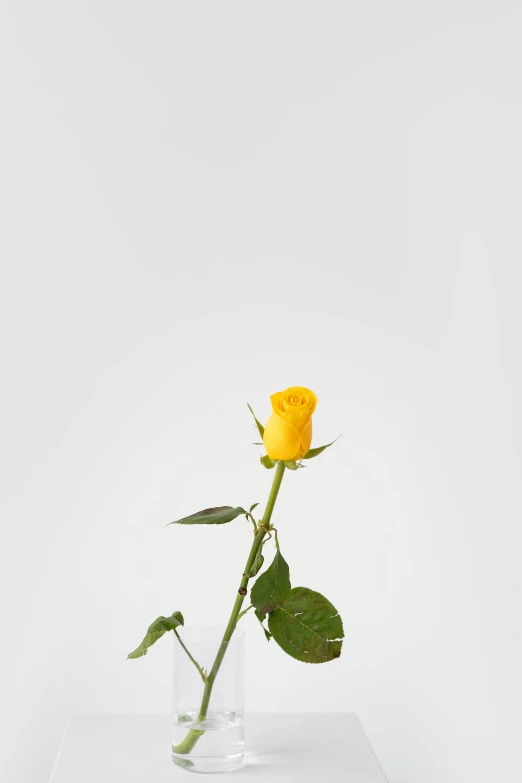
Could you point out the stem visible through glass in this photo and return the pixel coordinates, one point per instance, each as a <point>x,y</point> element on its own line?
<point>196,664</point>
<point>186,745</point>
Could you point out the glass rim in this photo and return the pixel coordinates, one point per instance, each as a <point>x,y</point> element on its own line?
<point>206,634</point>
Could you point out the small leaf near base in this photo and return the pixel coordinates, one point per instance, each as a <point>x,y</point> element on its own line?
<point>155,631</point>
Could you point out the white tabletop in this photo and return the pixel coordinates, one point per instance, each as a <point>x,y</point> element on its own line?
<point>279,746</point>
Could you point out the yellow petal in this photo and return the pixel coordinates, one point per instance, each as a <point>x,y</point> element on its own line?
<point>302,396</point>
<point>295,404</point>
<point>282,439</point>
<point>306,439</point>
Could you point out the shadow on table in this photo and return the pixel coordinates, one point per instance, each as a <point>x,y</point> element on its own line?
<point>271,757</point>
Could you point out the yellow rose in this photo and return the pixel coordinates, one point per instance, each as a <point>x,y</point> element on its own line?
<point>288,433</point>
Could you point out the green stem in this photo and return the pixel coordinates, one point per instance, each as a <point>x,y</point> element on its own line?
<point>196,664</point>
<point>242,614</point>
<point>186,745</point>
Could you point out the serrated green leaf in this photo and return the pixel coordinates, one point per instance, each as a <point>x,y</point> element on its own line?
<point>257,564</point>
<point>315,452</point>
<point>211,516</point>
<point>272,587</point>
<point>267,462</point>
<point>307,627</point>
<point>259,426</point>
<point>261,617</point>
<point>155,631</point>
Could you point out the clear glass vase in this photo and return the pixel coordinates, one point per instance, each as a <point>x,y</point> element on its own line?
<point>208,695</point>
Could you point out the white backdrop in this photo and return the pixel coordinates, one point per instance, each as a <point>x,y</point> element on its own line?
<point>203,203</point>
